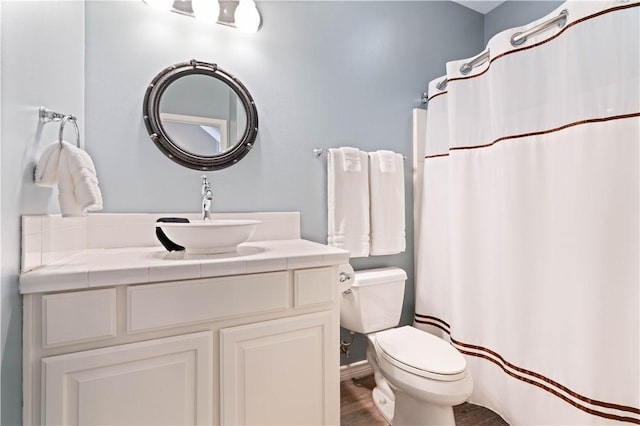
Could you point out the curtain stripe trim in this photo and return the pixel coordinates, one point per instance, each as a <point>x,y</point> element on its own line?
<point>434,319</point>
<point>556,393</point>
<point>525,371</point>
<point>436,95</point>
<point>539,133</point>
<point>506,366</point>
<point>579,21</point>
<point>437,155</point>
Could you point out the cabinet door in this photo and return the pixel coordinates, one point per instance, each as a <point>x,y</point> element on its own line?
<point>281,372</point>
<point>157,382</point>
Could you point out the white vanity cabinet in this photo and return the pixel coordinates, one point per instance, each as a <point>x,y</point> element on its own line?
<point>256,348</point>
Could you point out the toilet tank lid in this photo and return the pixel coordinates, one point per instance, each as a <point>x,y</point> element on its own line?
<point>379,276</point>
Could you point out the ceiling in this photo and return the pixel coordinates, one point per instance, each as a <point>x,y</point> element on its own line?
<point>482,6</point>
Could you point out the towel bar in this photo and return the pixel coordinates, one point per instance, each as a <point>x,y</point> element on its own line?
<point>319,151</point>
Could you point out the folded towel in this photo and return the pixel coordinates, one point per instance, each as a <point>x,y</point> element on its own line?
<point>348,200</point>
<point>351,159</point>
<point>66,189</point>
<point>77,164</point>
<point>47,168</point>
<point>387,161</point>
<point>386,186</point>
<point>72,170</point>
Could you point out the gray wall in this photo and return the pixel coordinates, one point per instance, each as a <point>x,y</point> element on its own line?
<point>2,299</point>
<point>42,58</point>
<point>516,13</point>
<point>322,74</point>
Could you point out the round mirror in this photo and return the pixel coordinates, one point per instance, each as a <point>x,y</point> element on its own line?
<point>200,116</point>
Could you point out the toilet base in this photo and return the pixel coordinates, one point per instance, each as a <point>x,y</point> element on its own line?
<point>436,399</point>
<point>382,395</point>
<point>411,411</point>
<point>383,404</point>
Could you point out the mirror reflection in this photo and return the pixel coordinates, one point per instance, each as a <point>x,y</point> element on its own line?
<point>202,115</point>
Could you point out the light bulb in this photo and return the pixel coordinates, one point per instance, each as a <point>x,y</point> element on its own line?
<point>247,16</point>
<point>163,5</point>
<point>206,10</point>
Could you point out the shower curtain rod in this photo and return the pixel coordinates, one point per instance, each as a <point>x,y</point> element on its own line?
<point>464,69</point>
<point>478,60</point>
<point>516,40</point>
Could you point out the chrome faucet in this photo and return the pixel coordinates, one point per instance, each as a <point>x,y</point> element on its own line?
<point>207,197</point>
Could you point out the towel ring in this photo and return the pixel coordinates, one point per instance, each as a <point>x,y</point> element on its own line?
<point>73,119</point>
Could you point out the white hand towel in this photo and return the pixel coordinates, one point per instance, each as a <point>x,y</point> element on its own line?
<point>47,168</point>
<point>348,201</point>
<point>85,180</point>
<point>66,189</point>
<point>77,182</point>
<point>351,159</point>
<point>387,161</point>
<point>386,186</point>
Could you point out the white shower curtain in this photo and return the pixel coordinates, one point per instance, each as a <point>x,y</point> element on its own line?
<point>528,257</point>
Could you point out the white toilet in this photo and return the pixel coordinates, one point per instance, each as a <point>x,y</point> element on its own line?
<point>419,377</point>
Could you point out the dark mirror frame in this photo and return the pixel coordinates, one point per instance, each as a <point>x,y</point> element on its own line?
<point>158,134</point>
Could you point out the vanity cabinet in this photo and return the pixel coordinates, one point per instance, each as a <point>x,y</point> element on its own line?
<point>242,349</point>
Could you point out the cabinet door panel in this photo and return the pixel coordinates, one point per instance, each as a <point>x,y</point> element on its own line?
<point>280,372</point>
<point>159,382</point>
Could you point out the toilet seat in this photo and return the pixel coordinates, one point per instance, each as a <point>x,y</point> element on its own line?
<point>420,353</point>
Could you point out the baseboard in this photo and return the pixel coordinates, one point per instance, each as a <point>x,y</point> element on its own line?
<point>356,370</point>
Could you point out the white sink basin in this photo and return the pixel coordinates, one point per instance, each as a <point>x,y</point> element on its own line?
<point>210,236</point>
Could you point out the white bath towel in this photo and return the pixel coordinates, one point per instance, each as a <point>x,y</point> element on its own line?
<point>348,200</point>
<point>73,171</point>
<point>386,188</point>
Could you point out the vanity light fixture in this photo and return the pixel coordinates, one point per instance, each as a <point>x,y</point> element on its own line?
<point>241,14</point>
<point>162,5</point>
<point>247,16</point>
<point>206,10</point>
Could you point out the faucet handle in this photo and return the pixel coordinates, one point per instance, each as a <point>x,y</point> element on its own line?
<point>206,188</point>
<point>205,183</point>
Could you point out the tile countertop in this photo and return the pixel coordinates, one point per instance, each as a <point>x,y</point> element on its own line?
<point>139,265</point>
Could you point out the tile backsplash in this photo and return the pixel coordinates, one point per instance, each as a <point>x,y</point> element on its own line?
<point>47,239</point>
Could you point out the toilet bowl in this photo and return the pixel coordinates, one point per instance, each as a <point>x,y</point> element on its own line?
<point>419,377</point>
<point>427,375</point>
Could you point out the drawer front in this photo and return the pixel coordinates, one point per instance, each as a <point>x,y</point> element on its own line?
<point>185,302</point>
<point>314,286</point>
<point>78,317</point>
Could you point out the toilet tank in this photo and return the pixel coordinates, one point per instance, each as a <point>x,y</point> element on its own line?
<point>374,300</point>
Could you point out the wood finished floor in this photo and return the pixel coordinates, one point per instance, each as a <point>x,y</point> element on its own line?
<point>357,409</point>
